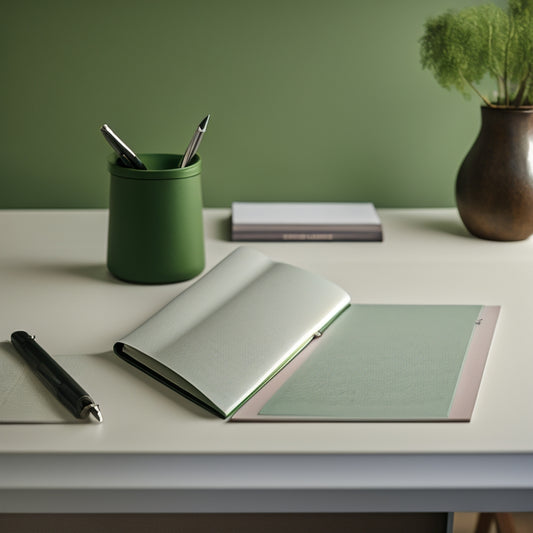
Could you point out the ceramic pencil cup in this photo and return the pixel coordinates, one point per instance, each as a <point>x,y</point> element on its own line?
<point>155,220</point>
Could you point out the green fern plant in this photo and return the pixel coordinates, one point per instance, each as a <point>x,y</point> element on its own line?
<point>462,47</point>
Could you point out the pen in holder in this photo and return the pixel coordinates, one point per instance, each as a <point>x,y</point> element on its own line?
<point>155,220</point>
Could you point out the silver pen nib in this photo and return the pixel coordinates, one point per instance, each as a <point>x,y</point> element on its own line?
<point>94,410</point>
<point>203,125</point>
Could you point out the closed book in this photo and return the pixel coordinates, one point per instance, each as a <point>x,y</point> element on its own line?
<point>300,221</point>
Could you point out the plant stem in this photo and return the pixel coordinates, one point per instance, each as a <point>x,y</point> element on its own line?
<point>522,89</point>
<point>506,60</point>
<point>527,87</point>
<point>473,87</point>
<point>501,89</point>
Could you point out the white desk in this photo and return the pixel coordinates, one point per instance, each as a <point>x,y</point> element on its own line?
<point>156,452</point>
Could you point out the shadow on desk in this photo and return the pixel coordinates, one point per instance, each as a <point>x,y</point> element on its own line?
<point>222,229</point>
<point>448,226</point>
<point>97,272</point>
<point>48,271</point>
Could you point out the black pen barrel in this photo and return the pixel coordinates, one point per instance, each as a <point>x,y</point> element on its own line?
<point>53,376</point>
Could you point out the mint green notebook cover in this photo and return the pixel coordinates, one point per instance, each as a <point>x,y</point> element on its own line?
<point>385,362</point>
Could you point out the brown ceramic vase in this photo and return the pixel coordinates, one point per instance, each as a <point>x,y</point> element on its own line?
<point>494,187</point>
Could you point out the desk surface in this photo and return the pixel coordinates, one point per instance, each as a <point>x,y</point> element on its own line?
<point>54,283</point>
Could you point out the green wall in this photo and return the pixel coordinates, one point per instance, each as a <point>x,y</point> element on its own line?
<point>309,100</point>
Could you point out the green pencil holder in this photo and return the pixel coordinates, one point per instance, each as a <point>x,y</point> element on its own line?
<point>155,220</point>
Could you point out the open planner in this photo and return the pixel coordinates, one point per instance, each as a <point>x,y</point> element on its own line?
<point>255,339</point>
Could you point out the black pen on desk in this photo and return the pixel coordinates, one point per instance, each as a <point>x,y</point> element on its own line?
<point>126,154</point>
<point>61,384</point>
<point>195,142</point>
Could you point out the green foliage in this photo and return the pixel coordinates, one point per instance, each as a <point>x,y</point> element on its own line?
<point>461,48</point>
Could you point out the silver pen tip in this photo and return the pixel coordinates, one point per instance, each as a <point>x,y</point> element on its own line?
<point>203,125</point>
<point>96,413</point>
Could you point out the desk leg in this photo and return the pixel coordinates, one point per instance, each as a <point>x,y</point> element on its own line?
<point>504,522</point>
